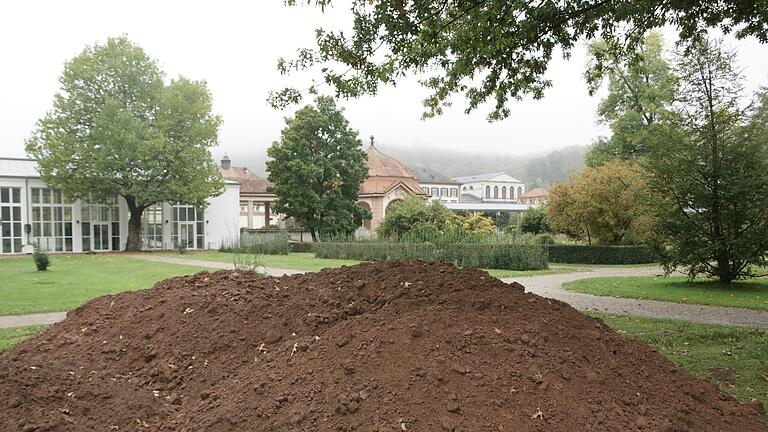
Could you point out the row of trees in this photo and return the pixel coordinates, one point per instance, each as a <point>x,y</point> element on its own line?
<point>686,165</point>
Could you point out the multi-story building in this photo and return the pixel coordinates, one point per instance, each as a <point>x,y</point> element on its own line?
<point>497,187</point>
<point>437,186</point>
<point>535,196</point>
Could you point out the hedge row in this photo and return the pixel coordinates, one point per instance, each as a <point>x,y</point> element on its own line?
<point>302,247</point>
<point>593,254</point>
<point>497,256</point>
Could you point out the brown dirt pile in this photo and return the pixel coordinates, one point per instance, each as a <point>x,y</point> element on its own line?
<point>394,346</point>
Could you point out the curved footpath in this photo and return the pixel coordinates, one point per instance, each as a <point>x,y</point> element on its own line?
<point>549,286</point>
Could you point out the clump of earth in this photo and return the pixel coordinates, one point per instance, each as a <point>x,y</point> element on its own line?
<point>391,346</point>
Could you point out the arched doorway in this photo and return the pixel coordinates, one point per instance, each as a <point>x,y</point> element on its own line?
<point>366,222</point>
<point>392,204</point>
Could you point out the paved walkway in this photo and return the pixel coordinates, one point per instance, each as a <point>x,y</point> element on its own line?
<point>551,286</point>
<point>544,285</point>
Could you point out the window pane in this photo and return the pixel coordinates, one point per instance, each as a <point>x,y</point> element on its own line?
<point>47,214</point>
<point>68,229</point>
<point>17,245</point>
<point>6,229</point>
<point>68,214</point>
<point>4,195</point>
<point>46,196</point>
<point>68,244</point>
<point>35,195</point>
<point>57,196</point>
<point>17,229</point>
<point>17,195</point>
<point>6,246</point>
<point>36,229</point>
<point>86,213</point>
<point>5,214</point>
<point>17,214</point>
<point>46,229</point>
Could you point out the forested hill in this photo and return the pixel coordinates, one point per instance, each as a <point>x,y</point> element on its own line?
<point>534,169</point>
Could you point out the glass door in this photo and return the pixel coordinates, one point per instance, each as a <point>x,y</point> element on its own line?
<point>187,234</point>
<point>100,236</point>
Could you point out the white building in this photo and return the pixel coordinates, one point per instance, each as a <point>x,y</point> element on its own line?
<point>31,213</point>
<point>497,187</point>
<point>437,186</point>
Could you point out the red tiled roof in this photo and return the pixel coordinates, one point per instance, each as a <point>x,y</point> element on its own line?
<point>250,183</point>
<point>384,172</point>
<point>538,192</point>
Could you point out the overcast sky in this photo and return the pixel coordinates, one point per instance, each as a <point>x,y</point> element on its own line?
<point>234,47</point>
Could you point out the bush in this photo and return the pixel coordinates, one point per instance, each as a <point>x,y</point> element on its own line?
<point>181,247</point>
<point>261,244</point>
<point>593,254</point>
<point>544,239</point>
<point>245,260</point>
<point>534,221</point>
<point>301,247</point>
<point>42,260</point>
<point>498,256</point>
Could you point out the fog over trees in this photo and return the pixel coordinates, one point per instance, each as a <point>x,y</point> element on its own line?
<point>535,169</point>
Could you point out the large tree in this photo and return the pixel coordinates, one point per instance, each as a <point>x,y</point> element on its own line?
<point>639,92</point>
<point>492,49</point>
<point>317,168</point>
<point>116,128</point>
<point>709,170</point>
<point>604,205</point>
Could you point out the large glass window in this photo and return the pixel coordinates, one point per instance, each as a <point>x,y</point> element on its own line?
<point>435,192</point>
<point>51,220</point>
<point>188,226</point>
<point>444,192</point>
<point>152,227</point>
<point>10,220</point>
<point>100,225</point>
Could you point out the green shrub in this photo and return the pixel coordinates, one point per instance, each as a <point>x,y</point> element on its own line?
<point>42,260</point>
<point>499,256</point>
<point>534,221</point>
<point>544,239</point>
<point>244,260</point>
<point>301,247</point>
<point>261,244</point>
<point>595,254</point>
<point>181,247</point>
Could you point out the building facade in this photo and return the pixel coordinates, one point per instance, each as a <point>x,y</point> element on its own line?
<point>389,182</point>
<point>535,196</point>
<point>437,186</point>
<point>255,201</point>
<point>35,215</point>
<point>491,188</point>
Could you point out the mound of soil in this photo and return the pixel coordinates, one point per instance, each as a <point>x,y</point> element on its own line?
<point>393,346</point>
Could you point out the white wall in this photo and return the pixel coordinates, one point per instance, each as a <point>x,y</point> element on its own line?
<point>222,217</point>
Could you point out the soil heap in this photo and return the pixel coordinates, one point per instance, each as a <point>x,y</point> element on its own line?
<point>392,346</point>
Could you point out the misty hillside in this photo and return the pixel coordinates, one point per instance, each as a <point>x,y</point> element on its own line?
<point>535,170</point>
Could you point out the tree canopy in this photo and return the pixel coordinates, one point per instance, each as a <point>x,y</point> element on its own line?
<point>640,91</point>
<point>317,168</point>
<point>116,128</point>
<point>709,170</point>
<point>603,205</point>
<point>492,50</point>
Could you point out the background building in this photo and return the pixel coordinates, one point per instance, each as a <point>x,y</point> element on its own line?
<point>437,186</point>
<point>31,213</point>
<point>389,182</point>
<point>536,196</point>
<point>497,187</point>
<point>255,202</point>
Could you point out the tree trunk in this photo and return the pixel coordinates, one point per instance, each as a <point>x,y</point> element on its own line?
<point>314,234</point>
<point>134,225</point>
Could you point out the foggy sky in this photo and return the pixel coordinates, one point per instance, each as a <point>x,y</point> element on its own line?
<point>234,46</point>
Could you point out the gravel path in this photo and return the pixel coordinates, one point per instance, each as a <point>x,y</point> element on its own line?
<point>549,286</point>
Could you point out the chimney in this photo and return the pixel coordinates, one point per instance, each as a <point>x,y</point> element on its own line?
<point>225,162</point>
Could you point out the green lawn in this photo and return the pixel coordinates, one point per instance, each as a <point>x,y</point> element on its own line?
<point>12,336</point>
<point>308,262</point>
<point>752,294</point>
<point>732,357</point>
<point>74,279</point>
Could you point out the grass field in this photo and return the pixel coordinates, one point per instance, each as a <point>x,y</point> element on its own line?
<point>74,279</point>
<point>308,262</point>
<point>732,357</point>
<point>11,336</point>
<point>752,295</point>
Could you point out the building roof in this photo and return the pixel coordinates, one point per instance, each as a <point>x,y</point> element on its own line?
<point>428,175</point>
<point>250,183</point>
<point>483,177</point>
<point>385,173</point>
<point>538,192</point>
<point>18,167</point>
